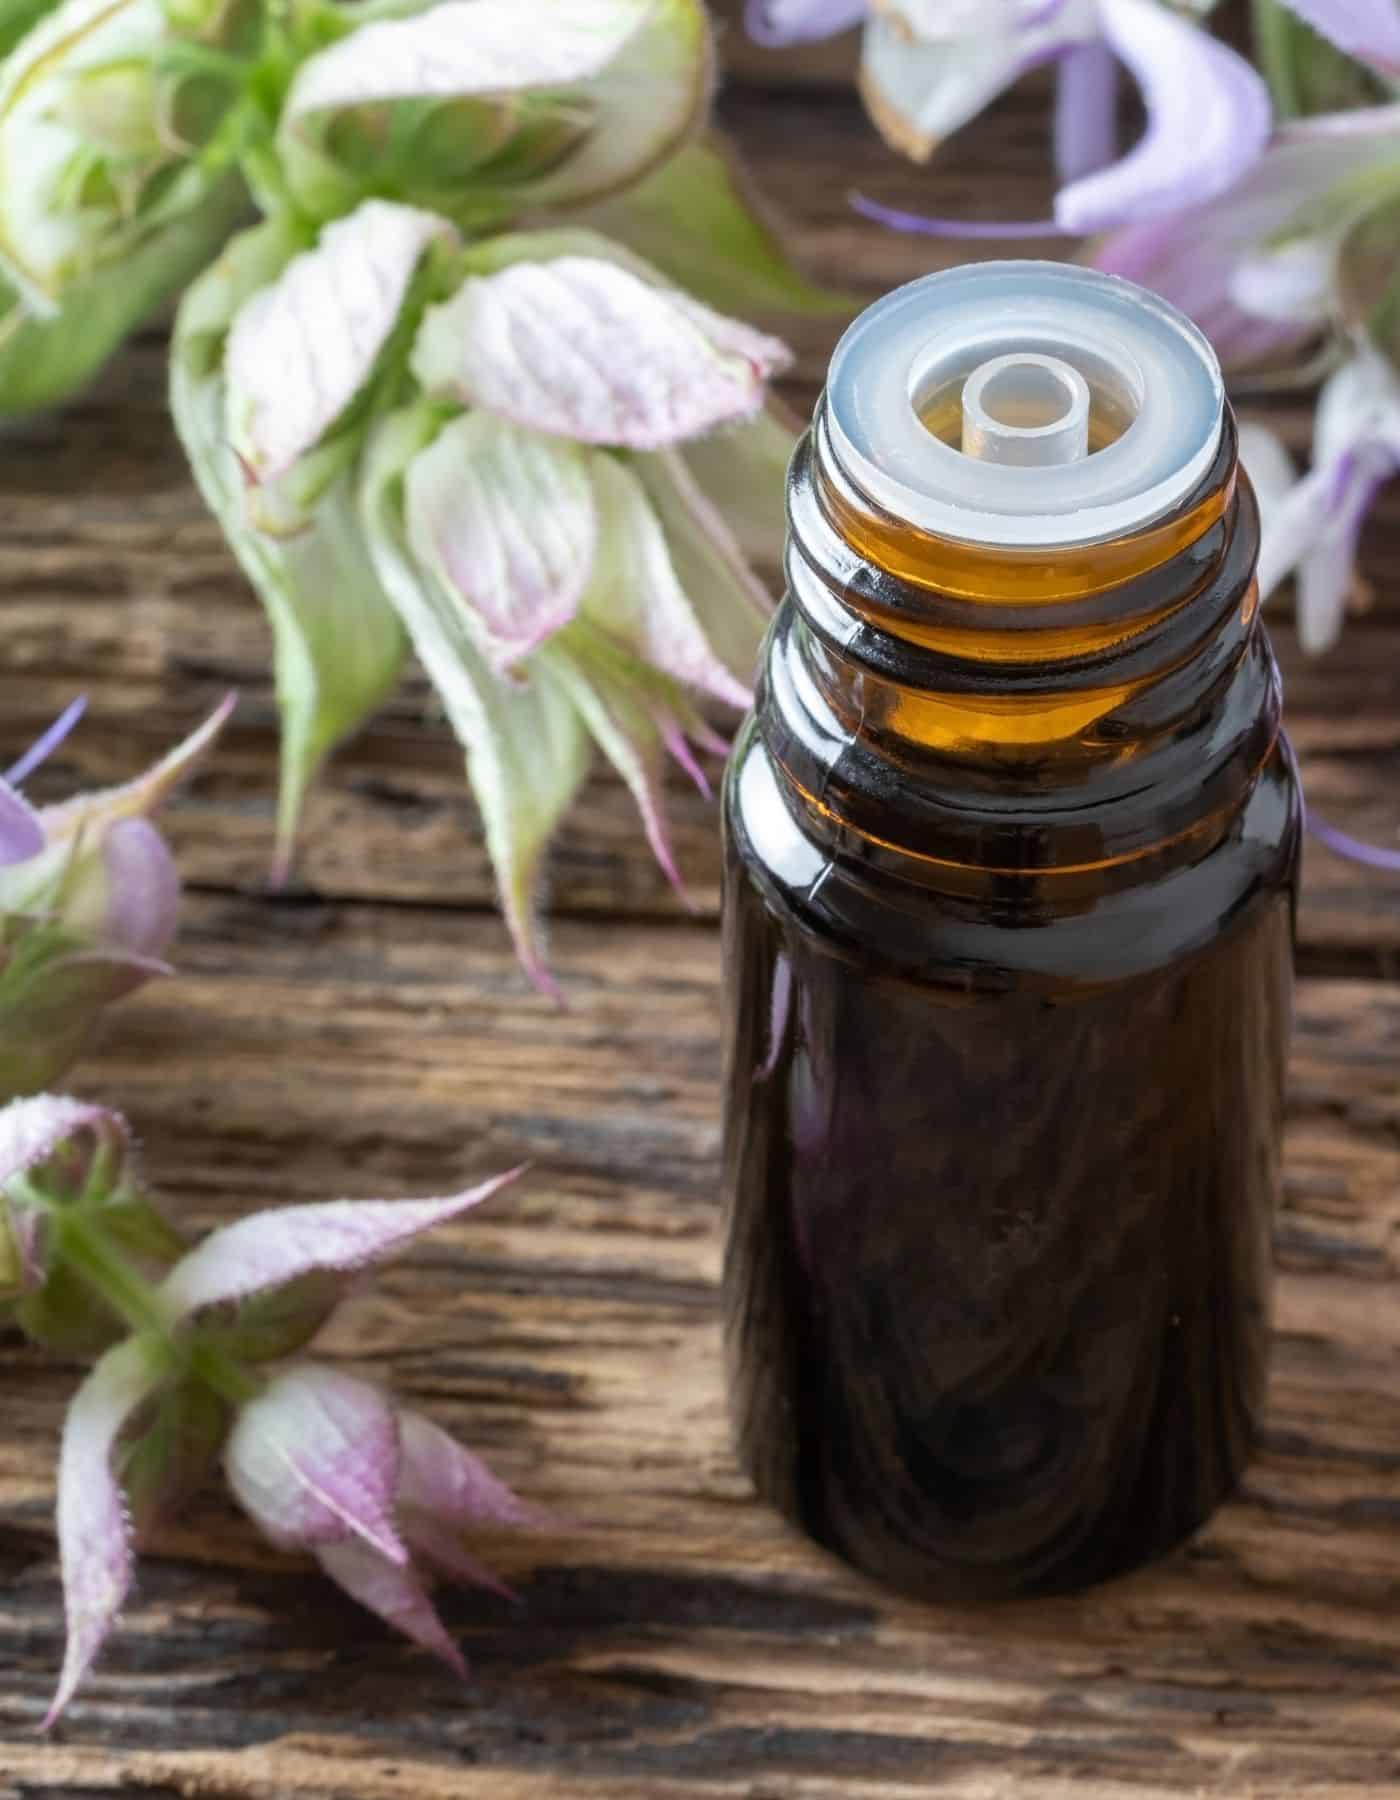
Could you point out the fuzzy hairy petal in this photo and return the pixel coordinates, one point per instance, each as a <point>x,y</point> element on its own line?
<point>584,349</point>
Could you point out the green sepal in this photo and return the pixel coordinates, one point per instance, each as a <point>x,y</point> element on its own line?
<point>44,361</point>
<point>171,1446</point>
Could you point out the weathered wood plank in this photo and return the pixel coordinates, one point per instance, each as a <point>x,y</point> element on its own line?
<point>677,1639</point>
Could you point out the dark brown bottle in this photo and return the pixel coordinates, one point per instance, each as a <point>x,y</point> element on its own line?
<point>1011,861</point>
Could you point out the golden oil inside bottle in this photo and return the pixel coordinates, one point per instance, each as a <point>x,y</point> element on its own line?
<point>1011,856</point>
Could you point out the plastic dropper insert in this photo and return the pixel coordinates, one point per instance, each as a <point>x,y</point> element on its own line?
<point>1079,407</point>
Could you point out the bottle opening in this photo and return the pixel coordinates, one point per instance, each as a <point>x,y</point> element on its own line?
<point>1031,410</point>
<point>1024,404</point>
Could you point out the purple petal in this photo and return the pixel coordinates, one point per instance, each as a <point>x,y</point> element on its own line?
<point>1366,29</point>
<point>674,738</point>
<point>48,742</point>
<point>1086,111</point>
<point>94,1535</point>
<point>396,1594</point>
<point>1192,258</point>
<point>1327,571</point>
<point>1353,849</point>
<point>439,1545</point>
<point>271,1248</point>
<point>314,1460</point>
<point>21,832</point>
<point>778,22</point>
<point>443,1479</point>
<point>929,225</point>
<point>31,1130</point>
<point>1208,119</point>
<point>143,889</point>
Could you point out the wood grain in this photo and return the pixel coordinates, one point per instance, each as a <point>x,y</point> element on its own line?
<point>677,1638</point>
<point>368,1033</point>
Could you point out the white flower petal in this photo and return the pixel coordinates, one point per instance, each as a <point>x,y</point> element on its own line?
<point>395,1594</point>
<point>271,1248</point>
<point>506,521</point>
<point>584,349</point>
<point>671,61</point>
<point>919,90</point>
<point>448,1482</point>
<point>467,47</point>
<point>300,350</point>
<point>1290,282</point>
<point>94,1534</point>
<point>314,1460</point>
<point>1295,523</point>
<point>32,1130</point>
<point>1360,403</point>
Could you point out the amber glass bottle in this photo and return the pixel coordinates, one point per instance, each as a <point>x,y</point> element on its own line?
<point>1012,840</point>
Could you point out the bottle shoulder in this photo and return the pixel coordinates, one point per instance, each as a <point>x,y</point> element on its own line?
<point>920,915</point>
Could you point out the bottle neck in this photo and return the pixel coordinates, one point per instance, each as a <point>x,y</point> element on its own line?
<point>1018,712</point>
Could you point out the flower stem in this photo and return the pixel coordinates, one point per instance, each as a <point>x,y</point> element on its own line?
<point>111,1277</point>
<point>106,1271</point>
<point>1273,46</point>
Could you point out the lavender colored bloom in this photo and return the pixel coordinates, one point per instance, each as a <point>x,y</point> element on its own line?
<point>1311,526</point>
<point>931,65</point>
<point>88,902</point>
<point>1255,268</point>
<point>325,1462</point>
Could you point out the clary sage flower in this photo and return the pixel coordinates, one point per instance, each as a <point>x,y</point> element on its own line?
<point>1311,526</point>
<point>110,194</point>
<point>324,1462</point>
<point>319,1459</point>
<point>928,66</point>
<point>534,513</point>
<point>88,903</point>
<point>1259,268</point>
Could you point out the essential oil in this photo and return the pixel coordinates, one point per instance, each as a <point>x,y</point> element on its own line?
<point>1012,841</point>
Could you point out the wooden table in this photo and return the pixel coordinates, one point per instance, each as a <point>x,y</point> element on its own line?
<point>368,1033</point>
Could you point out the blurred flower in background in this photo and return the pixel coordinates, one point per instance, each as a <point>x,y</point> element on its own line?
<point>89,899</point>
<point>1265,204</point>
